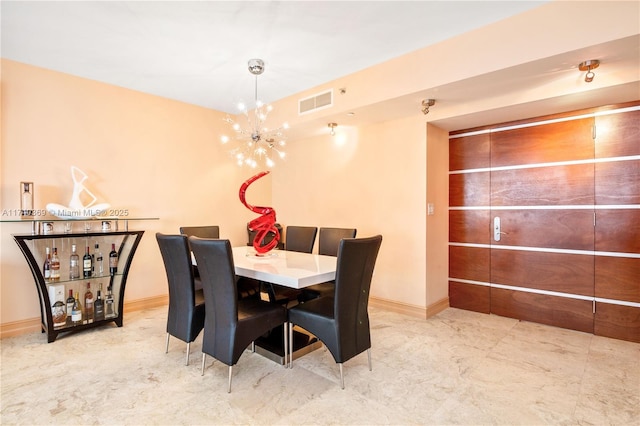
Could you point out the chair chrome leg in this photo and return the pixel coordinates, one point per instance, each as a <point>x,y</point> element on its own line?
<point>291,345</point>
<point>188,347</point>
<point>369,356</point>
<point>166,351</point>
<point>253,347</point>
<point>230,371</point>
<point>286,345</point>
<point>203,358</point>
<point>341,376</point>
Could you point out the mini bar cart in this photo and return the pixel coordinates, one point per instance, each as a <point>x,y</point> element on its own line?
<point>61,234</point>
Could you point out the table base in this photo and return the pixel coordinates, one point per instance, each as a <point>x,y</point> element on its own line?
<point>272,346</point>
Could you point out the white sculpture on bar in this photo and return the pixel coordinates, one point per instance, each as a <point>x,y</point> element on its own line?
<point>76,208</point>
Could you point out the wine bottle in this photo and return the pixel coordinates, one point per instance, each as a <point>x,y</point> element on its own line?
<point>46,268</point>
<point>74,263</point>
<point>55,266</point>
<point>76,311</point>
<point>70,301</point>
<point>88,303</point>
<point>109,307</point>
<point>86,264</point>
<point>98,263</point>
<point>113,260</point>
<point>98,306</point>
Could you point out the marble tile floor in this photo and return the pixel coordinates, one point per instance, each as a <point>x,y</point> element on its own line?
<point>457,367</point>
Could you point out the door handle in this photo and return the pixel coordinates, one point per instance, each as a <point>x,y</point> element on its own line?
<point>496,229</point>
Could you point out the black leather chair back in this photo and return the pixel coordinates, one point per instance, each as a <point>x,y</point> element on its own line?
<point>215,262</point>
<point>211,231</point>
<point>356,261</point>
<point>329,239</point>
<point>300,238</point>
<point>185,320</point>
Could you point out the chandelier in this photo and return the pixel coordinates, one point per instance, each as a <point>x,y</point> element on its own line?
<point>256,142</point>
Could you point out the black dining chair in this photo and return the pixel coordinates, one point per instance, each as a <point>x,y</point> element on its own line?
<point>328,243</point>
<point>231,325</point>
<point>208,231</point>
<point>341,321</point>
<point>186,314</point>
<point>246,286</point>
<point>300,238</point>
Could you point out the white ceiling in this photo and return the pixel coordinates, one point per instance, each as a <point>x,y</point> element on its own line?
<point>197,52</point>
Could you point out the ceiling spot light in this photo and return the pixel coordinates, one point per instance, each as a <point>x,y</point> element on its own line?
<point>332,126</point>
<point>588,66</point>
<point>426,103</point>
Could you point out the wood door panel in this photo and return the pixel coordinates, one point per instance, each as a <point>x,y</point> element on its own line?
<point>563,229</point>
<point>470,297</point>
<point>617,278</point>
<point>556,215</point>
<point>617,321</point>
<point>469,152</point>
<point>618,230</point>
<point>469,263</point>
<point>618,182</point>
<point>562,141</point>
<point>469,189</point>
<point>618,135</point>
<point>469,226</point>
<point>555,185</point>
<point>563,312</point>
<point>560,272</point>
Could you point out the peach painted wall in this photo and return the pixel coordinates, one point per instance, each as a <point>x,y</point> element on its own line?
<point>437,235</point>
<point>153,156</point>
<point>371,178</point>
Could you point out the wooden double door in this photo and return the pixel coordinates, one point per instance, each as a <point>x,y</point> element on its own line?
<point>544,221</point>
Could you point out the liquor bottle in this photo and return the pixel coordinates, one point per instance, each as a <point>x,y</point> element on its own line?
<point>70,301</point>
<point>46,268</point>
<point>26,200</point>
<point>55,266</point>
<point>76,311</point>
<point>74,263</point>
<point>88,303</point>
<point>59,313</point>
<point>98,263</point>
<point>86,264</point>
<point>109,307</point>
<point>98,306</point>
<point>113,260</point>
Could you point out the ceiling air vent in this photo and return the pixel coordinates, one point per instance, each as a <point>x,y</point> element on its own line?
<point>314,103</point>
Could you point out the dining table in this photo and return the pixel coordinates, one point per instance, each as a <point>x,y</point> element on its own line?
<point>288,269</point>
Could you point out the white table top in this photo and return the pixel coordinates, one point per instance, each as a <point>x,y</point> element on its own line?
<point>286,268</point>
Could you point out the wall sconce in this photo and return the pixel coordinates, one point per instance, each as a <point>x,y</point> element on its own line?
<point>332,126</point>
<point>588,66</point>
<point>426,103</point>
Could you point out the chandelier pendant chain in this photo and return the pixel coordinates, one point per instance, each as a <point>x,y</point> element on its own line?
<point>256,135</point>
